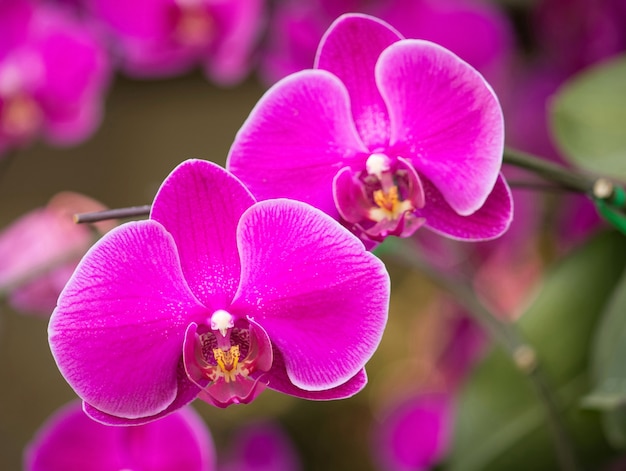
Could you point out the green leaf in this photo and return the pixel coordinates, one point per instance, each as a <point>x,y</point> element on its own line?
<point>500,422</point>
<point>609,368</point>
<point>608,354</point>
<point>588,116</point>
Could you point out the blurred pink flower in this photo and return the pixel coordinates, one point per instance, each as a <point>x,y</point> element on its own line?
<point>261,446</point>
<point>39,251</point>
<point>478,32</point>
<point>161,38</point>
<point>71,441</point>
<point>576,33</point>
<point>414,429</point>
<point>415,434</point>
<point>53,75</point>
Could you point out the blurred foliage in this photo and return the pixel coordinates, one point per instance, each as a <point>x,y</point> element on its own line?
<point>588,115</point>
<point>500,422</point>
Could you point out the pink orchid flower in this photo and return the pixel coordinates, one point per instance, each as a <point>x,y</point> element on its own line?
<point>53,75</point>
<point>385,134</point>
<point>160,38</point>
<point>218,296</point>
<point>40,250</point>
<point>71,441</point>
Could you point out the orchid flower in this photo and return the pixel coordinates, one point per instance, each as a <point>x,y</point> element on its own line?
<point>159,38</point>
<point>71,441</point>
<point>53,74</point>
<point>40,250</point>
<point>218,296</point>
<point>385,134</point>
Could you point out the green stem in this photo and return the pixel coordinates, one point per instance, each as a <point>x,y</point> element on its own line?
<point>570,179</point>
<point>507,335</point>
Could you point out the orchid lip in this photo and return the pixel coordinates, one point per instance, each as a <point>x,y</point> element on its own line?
<point>380,200</point>
<point>225,357</point>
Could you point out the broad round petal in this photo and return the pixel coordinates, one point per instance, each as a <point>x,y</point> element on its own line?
<point>71,441</point>
<point>445,119</point>
<point>200,204</point>
<point>298,136</point>
<point>490,221</point>
<point>319,295</point>
<point>185,393</point>
<point>278,380</point>
<point>350,49</point>
<point>117,332</point>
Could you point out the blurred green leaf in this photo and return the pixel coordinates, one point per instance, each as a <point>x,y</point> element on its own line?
<point>500,421</point>
<point>609,368</point>
<point>614,428</point>
<point>588,119</point>
<point>609,350</point>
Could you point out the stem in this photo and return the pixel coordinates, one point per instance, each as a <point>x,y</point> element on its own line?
<point>508,336</point>
<point>536,186</point>
<point>120,213</point>
<point>570,179</point>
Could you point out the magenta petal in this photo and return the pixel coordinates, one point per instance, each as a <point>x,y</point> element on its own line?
<point>117,332</point>
<point>76,72</point>
<point>445,119</point>
<point>349,196</point>
<point>242,391</point>
<point>321,298</point>
<point>185,393</point>
<point>71,441</point>
<point>490,221</point>
<point>350,49</point>
<point>199,204</point>
<point>278,380</point>
<point>296,139</point>
<point>240,24</point>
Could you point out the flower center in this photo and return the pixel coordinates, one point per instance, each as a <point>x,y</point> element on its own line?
<point>380,200</point>
<point>222,347</point>
<point>223,356</point>
<point>193,23</point>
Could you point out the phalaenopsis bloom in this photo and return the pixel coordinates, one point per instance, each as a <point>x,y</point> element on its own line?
<point>159,38</point>
<point>385,134</point>
<point>218,296</point>
<point>53,75</point>
<point>40,250</point>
